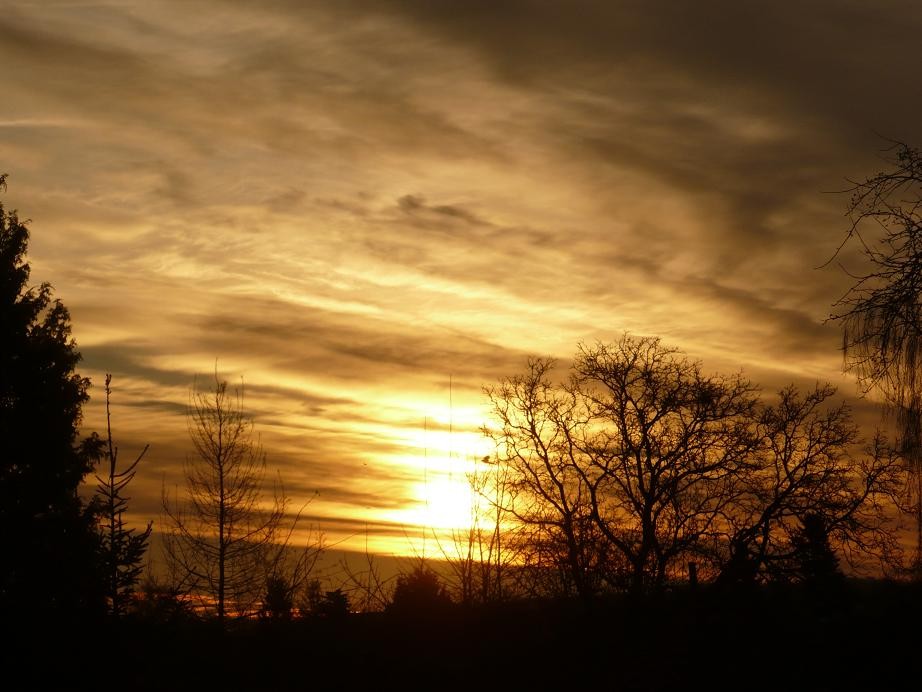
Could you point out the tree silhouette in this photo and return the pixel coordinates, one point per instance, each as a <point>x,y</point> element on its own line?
<point>316,602</point>
<point>881,315</point>
<point>47,533</point>
<point>639,464</point>
<point>481,556</point>
<point>536,441</point>
<point>631,462</point>
<point>815,560</point>
<point>278,600</point>
<point>334,604</point>
<point>419,592</point>
<point>122,548</point>
<point>160,602</point>
<point>225,543</point>
<point>665,446</point>
<point>805,470</point>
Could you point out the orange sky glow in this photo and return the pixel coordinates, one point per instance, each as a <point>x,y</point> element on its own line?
<point>368,211</point>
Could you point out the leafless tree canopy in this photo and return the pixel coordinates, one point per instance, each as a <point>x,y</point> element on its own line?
<point>639,463</point>
<point>880,315</point>
<point>225,538</point>
<point>482,557</point>
<point>804,467</point>
<point>881,312</point>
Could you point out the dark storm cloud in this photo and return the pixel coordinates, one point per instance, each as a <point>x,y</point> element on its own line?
<point>798,332</point>
<point>451,241</point>
<point>704,101</point>
<point>312,404</point>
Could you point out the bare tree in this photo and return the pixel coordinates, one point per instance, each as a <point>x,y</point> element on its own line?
<point>537,425</point>
<point>640,463</point>
<point>806,476</point>
<point>226,540</point>
<point>288,568</point>
<point>628,466</point>
<point>496,543</point>
<point>881,315</point>
<point>122,548</point>
<point>481,557</point>
<point>663,450</point>
<point>366,588</point>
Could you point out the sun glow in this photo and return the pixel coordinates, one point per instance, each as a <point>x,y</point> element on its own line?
<point>439,501</point>
<point>445,503</point>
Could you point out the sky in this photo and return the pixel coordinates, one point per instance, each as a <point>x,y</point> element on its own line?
<point>365,212</point>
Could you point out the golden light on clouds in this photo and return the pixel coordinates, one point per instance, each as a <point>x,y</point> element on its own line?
<point>369,211</point>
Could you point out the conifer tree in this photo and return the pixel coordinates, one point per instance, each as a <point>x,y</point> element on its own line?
<point>122,548</point>
<point>49,567</point>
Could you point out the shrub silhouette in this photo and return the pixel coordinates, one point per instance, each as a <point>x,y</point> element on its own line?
<point>278,601</point>
<point>334,604</point>
<point>817,562</point>
<point>419,592</point>
<point>157,602</point>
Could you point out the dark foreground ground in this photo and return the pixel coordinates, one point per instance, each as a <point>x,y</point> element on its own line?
<point>865,636</point>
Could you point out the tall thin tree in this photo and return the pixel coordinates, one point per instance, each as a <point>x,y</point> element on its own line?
<point>226,541</point>
<point>122,548</point>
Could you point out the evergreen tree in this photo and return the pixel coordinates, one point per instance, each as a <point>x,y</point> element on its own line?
<point>419,593</point>
<point>122,549</point>
<point>815,560</point>
<point>47,534</point>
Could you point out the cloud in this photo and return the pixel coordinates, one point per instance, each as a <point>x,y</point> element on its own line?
<point>369,209</point>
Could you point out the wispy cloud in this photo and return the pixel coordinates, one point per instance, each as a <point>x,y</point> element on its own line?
<point>352,204</point>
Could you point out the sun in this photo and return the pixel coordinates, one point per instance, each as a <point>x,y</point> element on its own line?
<point>445,503</point>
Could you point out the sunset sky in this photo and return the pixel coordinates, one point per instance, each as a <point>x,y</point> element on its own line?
<point>370,210</point>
